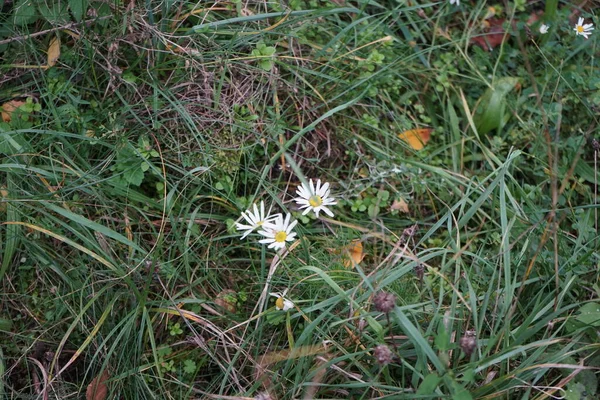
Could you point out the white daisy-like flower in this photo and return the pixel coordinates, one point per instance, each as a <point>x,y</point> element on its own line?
<point>255,219</point>
<point>457,2</point>
<point>278,232</point>
<point>282,303</point>
<point>583,30</point>
<point>544,29</point>
<point>315,199</point>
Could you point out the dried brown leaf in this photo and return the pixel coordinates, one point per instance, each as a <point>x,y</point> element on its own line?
<point>9,107</point>
<point>97,390</point>
<point>400,205</point>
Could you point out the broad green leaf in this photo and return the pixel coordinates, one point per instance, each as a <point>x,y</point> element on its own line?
<point>575,391</point>
<point>78,8</point>
<point>429,384</point>
<point>490,112</point>
<point>24,12</point>
<point>56,14</point>
<point>590,314</point>
<point>459,392</point>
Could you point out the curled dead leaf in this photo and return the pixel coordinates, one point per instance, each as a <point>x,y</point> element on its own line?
<point>400,205</point>
<point>227,300</point>
<point>97,390</point>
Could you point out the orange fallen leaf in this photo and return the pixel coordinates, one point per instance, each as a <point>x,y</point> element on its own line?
<point>9,107</point>
<point>53,52</point>
<point>353,254</point>
<point>97,390</point>
<point>416,138</point>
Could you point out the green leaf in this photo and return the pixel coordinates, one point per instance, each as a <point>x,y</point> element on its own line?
<point>268,51</point>
<point>575,392</point>
<point>189,366</point>
<point>266,65</point>
<point>55,14</point>
<point>442,340</point>
<point>429,384</point>
<point>589,314</point>
<point>459,392</point>
<point>490,113</point>
<point>78,8</point>
<point>24,12</point>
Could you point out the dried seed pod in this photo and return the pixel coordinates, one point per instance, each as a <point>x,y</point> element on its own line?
<point>384,302</point>
<point>263,396</point>
<point>383,354</point>
<point>468,343</point>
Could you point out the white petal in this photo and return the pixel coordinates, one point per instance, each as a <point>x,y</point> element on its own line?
<point>303,191</point>
<point>580,21</point>
<point>291,226</point>
<point>324,192</point>
<point>318,187</point>
<point>327,211</point>
<point>312,188</point>
<point>287,304</point>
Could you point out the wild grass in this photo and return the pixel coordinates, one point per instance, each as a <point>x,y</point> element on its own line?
<point>122,178</point>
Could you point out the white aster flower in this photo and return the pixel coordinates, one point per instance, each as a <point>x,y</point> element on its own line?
<point>315,199</point>
<point>457,2</point>
<point>278,232</point>
<point>583,30</point>
<point>544,29</point>
<point>255,219</point>
<point>282,303</point>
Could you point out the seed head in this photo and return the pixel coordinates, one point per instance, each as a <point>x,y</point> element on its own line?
<point>468,343</point>
<point>383,354</point>
<point>595,145</point>
<point>384,302</point>
<point>263,396</point>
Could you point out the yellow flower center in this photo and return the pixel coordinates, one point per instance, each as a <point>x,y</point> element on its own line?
<point>260,223</point>
<point>280,237</point>
<point>580,28</point>
<point>315,201</point>
<point>279,303</point>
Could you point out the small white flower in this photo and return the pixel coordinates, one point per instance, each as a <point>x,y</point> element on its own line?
<point>544,29</point>
<point>255,219</point>
<point>457,2</point>
<point>315,199</point>
<point>583,30</point>
<point>282,303</point>
<point>278,232</point>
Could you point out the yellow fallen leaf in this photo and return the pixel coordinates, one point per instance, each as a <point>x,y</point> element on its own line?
<point>9,107</point>
<point>416,138</point>
<point>53,52</point>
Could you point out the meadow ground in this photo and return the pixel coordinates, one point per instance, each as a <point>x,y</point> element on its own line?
<point>454,254</point>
